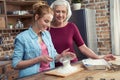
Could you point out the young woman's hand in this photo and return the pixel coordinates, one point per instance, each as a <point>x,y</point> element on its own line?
<point>45,58</point>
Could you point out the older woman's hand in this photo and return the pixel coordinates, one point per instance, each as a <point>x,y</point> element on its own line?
<point>109,57</point>
<point>67,53</point>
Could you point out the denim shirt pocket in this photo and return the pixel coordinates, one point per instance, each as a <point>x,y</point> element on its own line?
<point>30,51</point>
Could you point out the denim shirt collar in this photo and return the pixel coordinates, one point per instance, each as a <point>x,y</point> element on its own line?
<point>33,34</point>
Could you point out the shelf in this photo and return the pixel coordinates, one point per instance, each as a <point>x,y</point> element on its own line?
<point>2,0</point>
<point>22,16</point>
<point>13,29</point>
<point>21,2</point>
<point>12,10</point>
<point>2,15</point>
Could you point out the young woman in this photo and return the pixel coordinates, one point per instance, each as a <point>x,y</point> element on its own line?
<point>34,51</point>
<point>64,33</point>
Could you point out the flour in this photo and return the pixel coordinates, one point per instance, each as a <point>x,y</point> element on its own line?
<point>66,68</point>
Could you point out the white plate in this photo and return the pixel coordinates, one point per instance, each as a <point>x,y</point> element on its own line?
<point>93,64</point>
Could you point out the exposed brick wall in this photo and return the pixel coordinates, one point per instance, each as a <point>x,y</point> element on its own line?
<point>102,8</point>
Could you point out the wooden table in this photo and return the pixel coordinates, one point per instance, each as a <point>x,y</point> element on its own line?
<point>96,74</point>
<point>81,75</point>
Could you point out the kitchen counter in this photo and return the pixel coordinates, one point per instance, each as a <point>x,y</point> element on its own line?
<point>81,75</point>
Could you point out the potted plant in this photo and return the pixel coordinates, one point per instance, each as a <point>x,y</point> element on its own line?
<point>77,1</point>
<point>76,4</point>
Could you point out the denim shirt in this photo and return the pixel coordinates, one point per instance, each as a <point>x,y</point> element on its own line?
<point>27,47</point>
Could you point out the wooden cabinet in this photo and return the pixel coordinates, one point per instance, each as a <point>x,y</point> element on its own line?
<point>2,14</point>
<point>13,10</point>
<point>2,11</point>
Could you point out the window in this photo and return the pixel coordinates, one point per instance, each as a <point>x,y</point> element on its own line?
<point>115,25</point>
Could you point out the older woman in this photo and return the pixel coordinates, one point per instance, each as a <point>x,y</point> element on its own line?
<point>64,33</point>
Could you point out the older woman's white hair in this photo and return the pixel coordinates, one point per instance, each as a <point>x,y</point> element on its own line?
<point>63,2</point>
